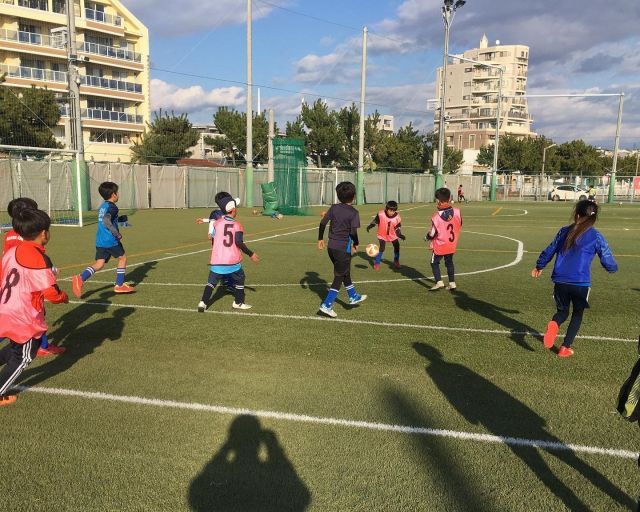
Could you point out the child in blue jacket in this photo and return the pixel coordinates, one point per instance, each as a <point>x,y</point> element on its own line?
<point>574,247</point>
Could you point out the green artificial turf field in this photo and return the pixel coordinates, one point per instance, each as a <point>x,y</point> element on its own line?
<point>414,400</point>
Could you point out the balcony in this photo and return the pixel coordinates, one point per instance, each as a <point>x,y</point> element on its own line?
<point>41,5</point>
<point>101,17</point>
<point>32,38</point>
<point>114,85</point>
<point>36,74</point>
<point>110,115</point>
<point>109,51</point>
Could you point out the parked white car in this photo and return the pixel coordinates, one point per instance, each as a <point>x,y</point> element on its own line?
<point>568,193</point>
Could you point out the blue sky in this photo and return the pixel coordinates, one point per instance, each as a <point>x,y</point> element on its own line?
<point>593,48</point>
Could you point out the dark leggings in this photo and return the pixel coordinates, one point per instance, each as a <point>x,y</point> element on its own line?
<point>341,268</point>
<point>396,246</point>
<point>448,262</point>
<point>237,280</point>
<point>574,324</point>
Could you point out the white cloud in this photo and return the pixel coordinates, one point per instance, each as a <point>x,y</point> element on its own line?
<point>193,99</point>
<point>169,19</point>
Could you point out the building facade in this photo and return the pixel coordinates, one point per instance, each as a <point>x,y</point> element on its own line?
<point>471,97</point>
<point>113,52</point>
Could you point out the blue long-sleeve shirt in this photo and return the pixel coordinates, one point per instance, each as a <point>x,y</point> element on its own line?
<point>574,266</point>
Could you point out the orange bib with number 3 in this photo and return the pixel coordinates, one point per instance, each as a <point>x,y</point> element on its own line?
<point>448,230</point>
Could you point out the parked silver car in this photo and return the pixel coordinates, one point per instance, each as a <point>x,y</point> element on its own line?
<point>568,193</point>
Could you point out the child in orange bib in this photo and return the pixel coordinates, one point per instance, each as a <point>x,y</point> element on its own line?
<point>443,238</point>
<point>389,224</point>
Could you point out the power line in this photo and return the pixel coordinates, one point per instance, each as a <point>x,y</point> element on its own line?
<point>290,91</point>
<point>329,22</point>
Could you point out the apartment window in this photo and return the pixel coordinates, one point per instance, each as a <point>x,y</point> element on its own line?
<point>96,39</point>
<point>120,74</point>
<point>95,71</point>
<point>60,6</point>
<point>459,141</point>
<point>109,137</point>
<point>56,66</point>
<point>468,70</point>
<point>467,84</point>
<point>95,7</point>
<point>466,97</point>
<point>472,141</point>
<point>34,4</point>
<point>101,104</point>
<point>32,63</point>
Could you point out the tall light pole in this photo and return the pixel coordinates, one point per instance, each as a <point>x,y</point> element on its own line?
<point>363,84</point>
<point>544,160</point>
<point>249,153</point>
<point>616,149</point>
<point>448,10</point>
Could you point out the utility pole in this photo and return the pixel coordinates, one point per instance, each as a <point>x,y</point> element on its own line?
<point>612,181</point>
<point>249,153</point>
<point>74,83</point>
<point>363,80</point>
<point>272,134</point>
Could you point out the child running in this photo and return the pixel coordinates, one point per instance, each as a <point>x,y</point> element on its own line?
<point>443,237</point>
<point>26,280</point>
<point>228,245</point>
<point>389,224</point>
<point>574,247</point>
<point>13,239</point>
<point>343,238</point>
<point>108,242</point>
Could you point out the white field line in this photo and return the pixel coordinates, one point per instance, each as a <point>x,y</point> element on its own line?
<point>519,254</point>
<point>363,425</point>
<point>129,265</point>
<point>340,320</point>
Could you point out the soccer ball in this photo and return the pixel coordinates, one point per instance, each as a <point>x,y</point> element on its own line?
<point>372,250</point>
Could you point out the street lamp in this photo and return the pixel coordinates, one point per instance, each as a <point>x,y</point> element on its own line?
<point>448,10</point>
<point>544,159</point>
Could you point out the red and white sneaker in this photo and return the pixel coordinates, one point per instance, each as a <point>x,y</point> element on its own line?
<point>550,334</point>
<point>76,285</point>
<point>376,266</point>
<point>124,288</point>
<point>565,351</point>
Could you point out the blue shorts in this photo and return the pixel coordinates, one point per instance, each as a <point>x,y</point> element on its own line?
<point>566,294</point>
<point>105,253</point>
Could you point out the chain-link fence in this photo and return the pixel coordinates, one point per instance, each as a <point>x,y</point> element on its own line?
<point>520,187</point>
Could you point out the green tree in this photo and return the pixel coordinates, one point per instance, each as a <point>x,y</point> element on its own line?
<point>233,125</point>
<point>402,151</point>
<point>166,140</point>
<point>577,157</point>
<point>348,119</point>
<point>523,155</point>
<point>27,117</point>
<point>324,140</point>
<point>295,129</point>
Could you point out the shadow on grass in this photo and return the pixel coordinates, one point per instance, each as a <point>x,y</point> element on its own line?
<point>313,281</point>
<point>250,472</point>
<point>79,341</point>
<point>484,404</point>
<point>450,476</point>
<point>496,314</point>
<point>135,276</point>
<point>405,271</point>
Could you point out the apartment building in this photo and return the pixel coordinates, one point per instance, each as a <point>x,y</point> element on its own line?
<point>386,123</point>
<point>471,97</point>
<point>113,52</point>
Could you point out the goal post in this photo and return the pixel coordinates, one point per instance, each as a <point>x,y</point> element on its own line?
<point>54,178</point>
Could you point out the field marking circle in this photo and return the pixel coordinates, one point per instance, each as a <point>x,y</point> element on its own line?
<point>516,261</point>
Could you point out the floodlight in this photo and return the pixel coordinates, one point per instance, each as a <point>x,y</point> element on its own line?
<point>460,3</point>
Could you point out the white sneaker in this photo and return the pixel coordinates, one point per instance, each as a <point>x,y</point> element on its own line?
<point>327,311</point>
<point>438,286</point>
<point>451,286</point>
<point>201,307</point>
<point>241,306</point>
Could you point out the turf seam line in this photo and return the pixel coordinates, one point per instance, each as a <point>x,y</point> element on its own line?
<point>340,320</point>
<point>364,425</point>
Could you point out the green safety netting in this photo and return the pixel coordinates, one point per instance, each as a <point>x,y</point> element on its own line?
<point>290,176</point>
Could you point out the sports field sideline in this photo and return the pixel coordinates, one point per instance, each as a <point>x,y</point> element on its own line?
<point>413,400</point>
